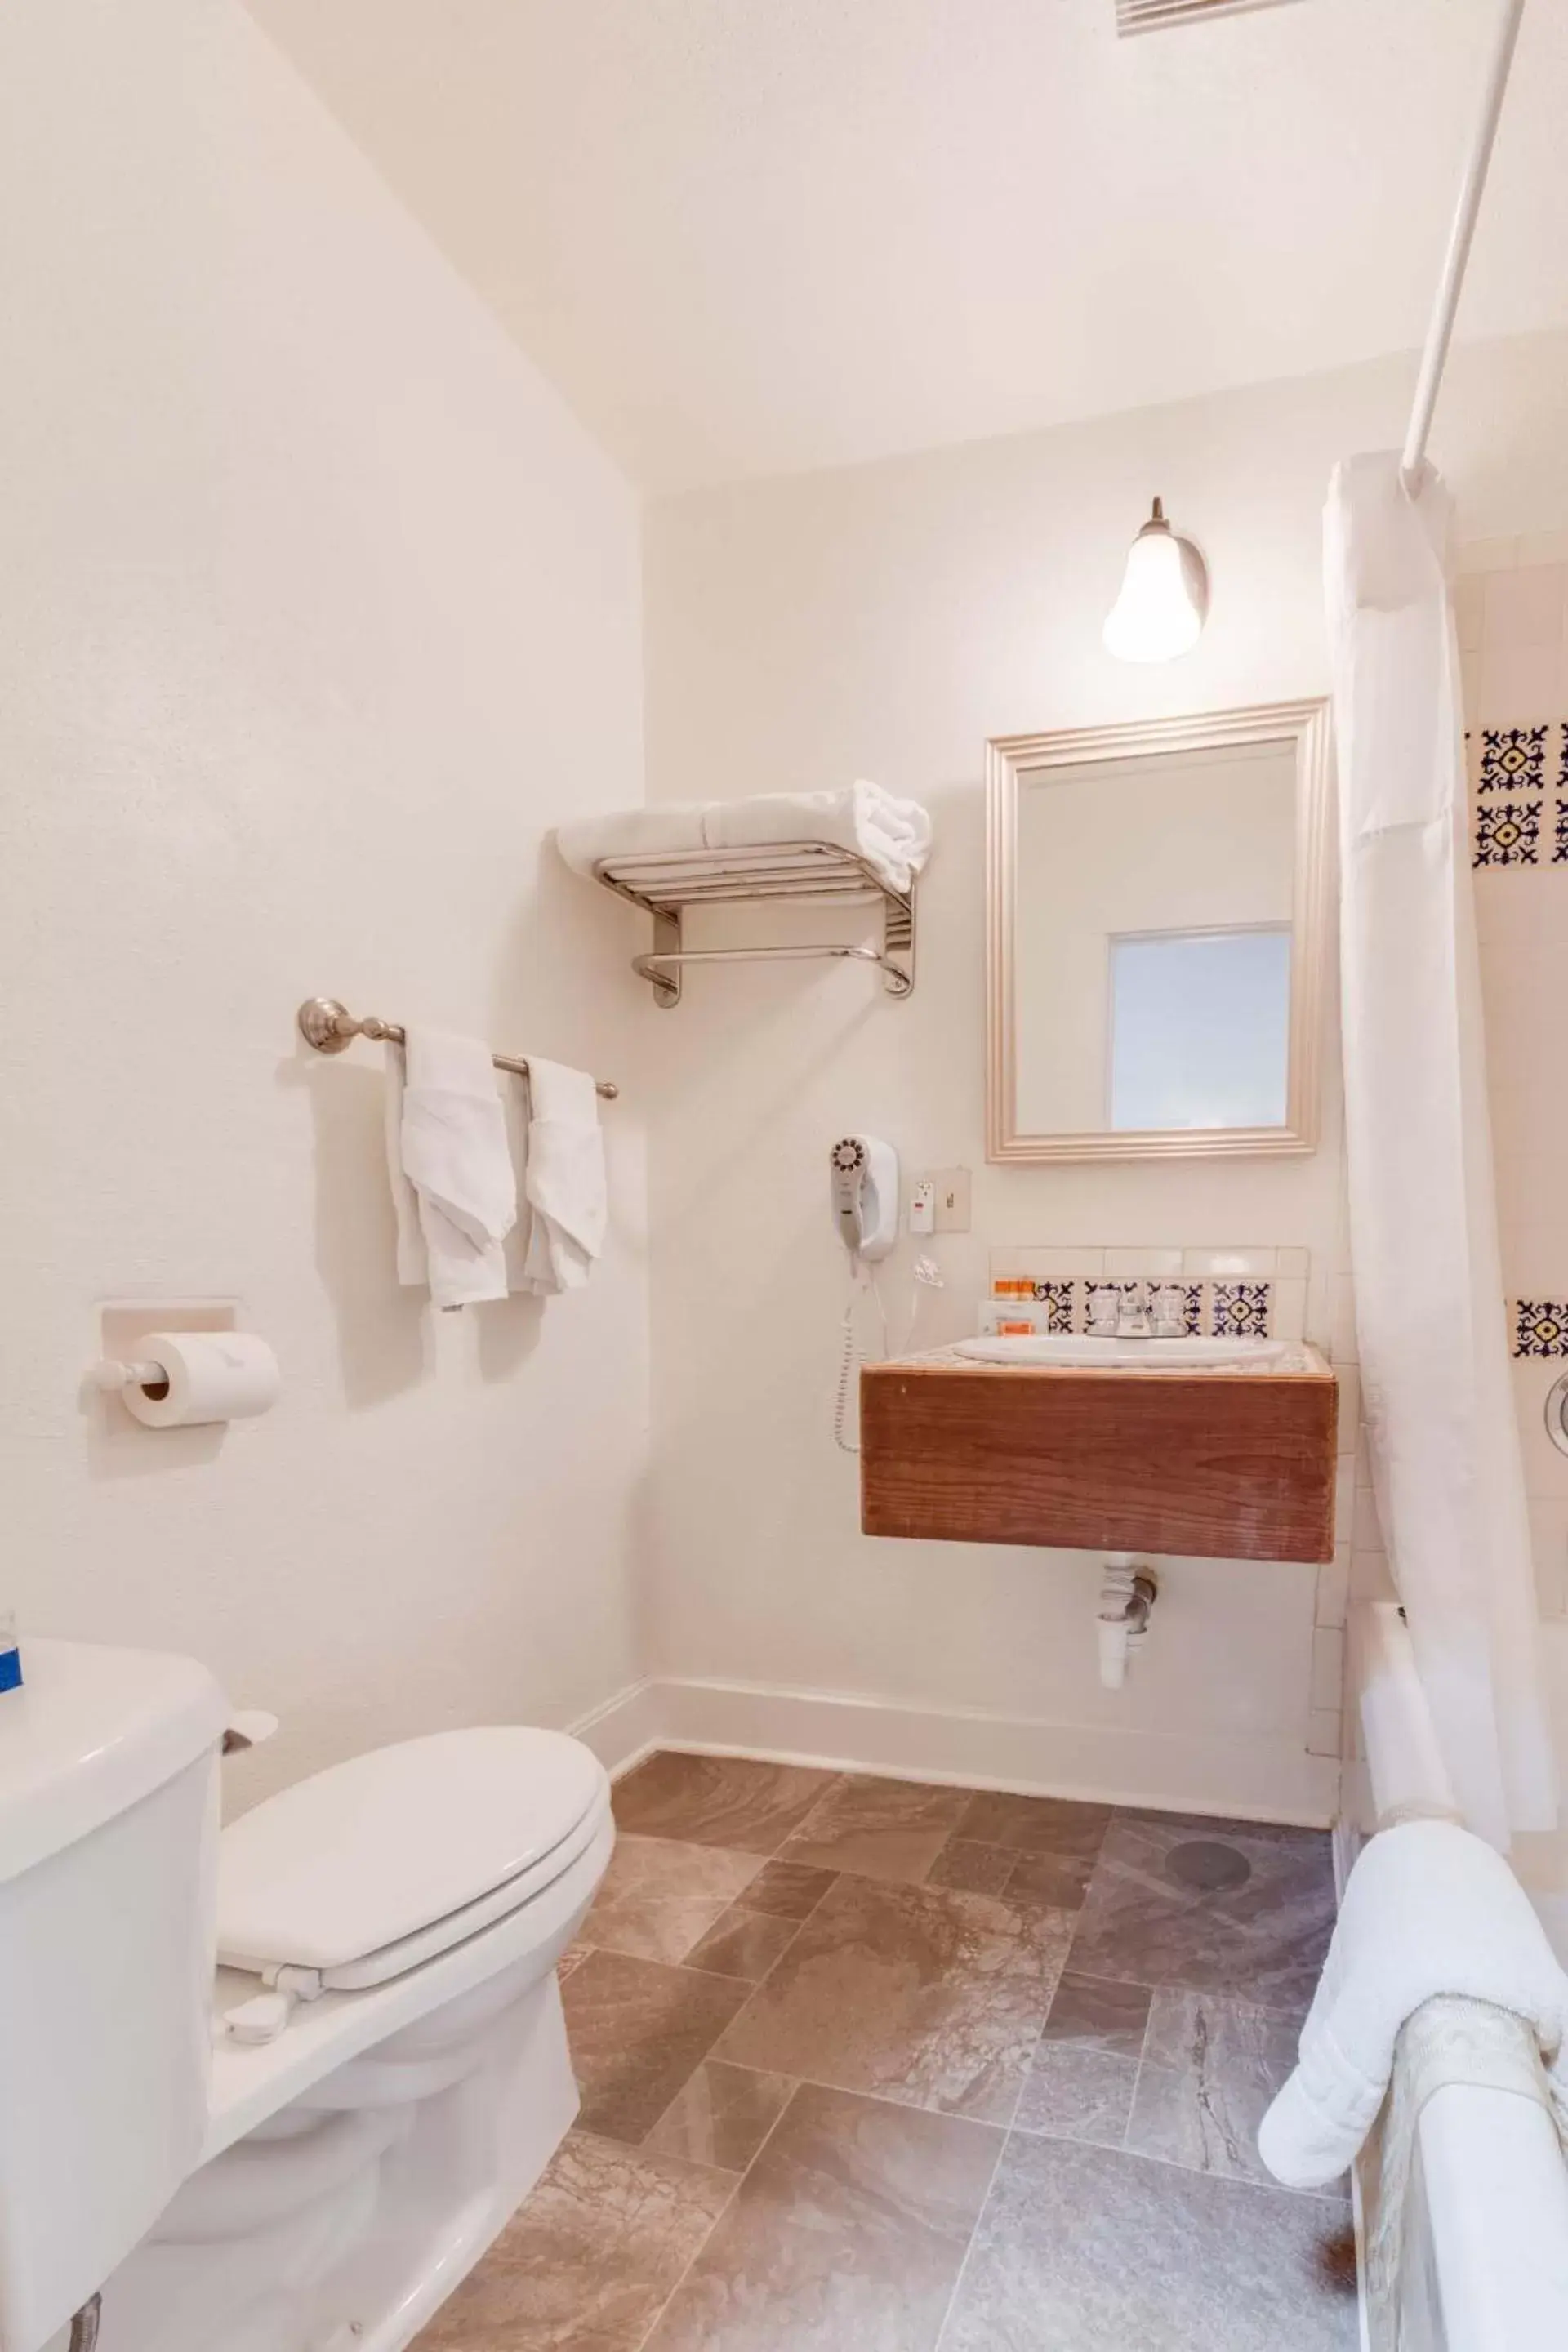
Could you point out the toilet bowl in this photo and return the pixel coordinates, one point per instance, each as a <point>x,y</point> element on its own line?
<point>373,2076</point>
<point>365,1872</point>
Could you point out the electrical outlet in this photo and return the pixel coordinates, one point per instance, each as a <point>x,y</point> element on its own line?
<point>951,1200</point>
<point>922,1205</point>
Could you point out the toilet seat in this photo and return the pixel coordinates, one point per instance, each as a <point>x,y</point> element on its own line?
<point>375,1865</point>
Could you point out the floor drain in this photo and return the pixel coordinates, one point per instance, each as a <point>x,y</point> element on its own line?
<point>1207,1865</point>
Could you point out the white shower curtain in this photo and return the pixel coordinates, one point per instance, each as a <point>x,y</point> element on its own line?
<point>1429,1304</point>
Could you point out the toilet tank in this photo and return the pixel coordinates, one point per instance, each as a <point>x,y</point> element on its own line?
<point>108,1856</point>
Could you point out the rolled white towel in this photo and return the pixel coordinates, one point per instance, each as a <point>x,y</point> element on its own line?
<point>894,836</point>
<point>1428,1910</point>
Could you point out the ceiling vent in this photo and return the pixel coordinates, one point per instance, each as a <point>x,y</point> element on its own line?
<point>1151,16</point>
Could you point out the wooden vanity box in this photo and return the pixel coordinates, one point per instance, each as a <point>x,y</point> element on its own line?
<point>1216,1463</point>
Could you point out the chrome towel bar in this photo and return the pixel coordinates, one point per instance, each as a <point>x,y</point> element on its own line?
<point>329,1026</point>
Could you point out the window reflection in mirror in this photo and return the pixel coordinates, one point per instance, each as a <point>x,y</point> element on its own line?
<point>1200,1028</point>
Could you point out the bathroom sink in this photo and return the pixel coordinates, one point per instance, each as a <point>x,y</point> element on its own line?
<point>1117,1355</point>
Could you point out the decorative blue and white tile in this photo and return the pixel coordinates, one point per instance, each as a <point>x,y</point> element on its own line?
<point>1540,1327</point>
<point>1513,759</point>
<point>1191,1297</point>
<point>1059,1301</point>
<point>1508,833</point>
<point>1242,1309</point>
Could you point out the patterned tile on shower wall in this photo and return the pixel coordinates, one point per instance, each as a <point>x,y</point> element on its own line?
<point>1508,833</point>
<point>1242,1309</point>
<point>1540,1327</point>
<point>1513,759</point>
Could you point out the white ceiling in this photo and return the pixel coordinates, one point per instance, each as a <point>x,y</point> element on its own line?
<point>747,236</point>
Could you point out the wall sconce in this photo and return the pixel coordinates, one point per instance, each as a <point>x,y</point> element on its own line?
<point>1164,598</point>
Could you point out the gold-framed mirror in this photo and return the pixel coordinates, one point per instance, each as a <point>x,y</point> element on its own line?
<point>1158,927</point>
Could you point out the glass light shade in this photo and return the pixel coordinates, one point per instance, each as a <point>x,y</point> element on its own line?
<point>1165,597</point>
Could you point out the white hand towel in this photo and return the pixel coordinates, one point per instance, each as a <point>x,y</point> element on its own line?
<point>413,1262</point>
<point>564,1181</point>
<point>894,836</point>
<point>1428,1910</point>
<point>453,1153</point>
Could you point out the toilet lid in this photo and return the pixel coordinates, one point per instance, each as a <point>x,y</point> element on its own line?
<point>371,1851</point>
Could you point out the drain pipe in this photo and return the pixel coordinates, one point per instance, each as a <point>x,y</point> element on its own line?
<point>1127,1599</point>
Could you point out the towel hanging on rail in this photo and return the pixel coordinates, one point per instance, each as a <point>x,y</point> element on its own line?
<point>448,1149</point>
<point>563,1182</point>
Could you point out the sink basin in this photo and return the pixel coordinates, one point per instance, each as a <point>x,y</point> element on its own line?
<point>1149,1355</point>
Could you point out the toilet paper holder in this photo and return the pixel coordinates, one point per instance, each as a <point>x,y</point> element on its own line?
<point>189,1378</point>
<point>113,1377</point>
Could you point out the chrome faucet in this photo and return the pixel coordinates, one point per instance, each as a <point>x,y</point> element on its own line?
<point>1170,1311</point>
<point>1133,1313</point>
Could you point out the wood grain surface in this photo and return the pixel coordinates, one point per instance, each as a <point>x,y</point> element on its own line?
<point>1204,1466</point>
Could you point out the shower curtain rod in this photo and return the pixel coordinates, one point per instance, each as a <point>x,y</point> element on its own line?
<point>1440,332</point>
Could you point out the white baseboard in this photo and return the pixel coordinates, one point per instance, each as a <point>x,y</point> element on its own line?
<point>1267,1781</point>
<point>623,1729</point>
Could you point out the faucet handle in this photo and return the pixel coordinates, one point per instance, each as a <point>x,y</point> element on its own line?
<point>1133,1320</point>
<point>1170,1311</point>
<point>1104,1310</point>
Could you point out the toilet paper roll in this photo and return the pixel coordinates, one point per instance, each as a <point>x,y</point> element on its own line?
<point>211,1376</point>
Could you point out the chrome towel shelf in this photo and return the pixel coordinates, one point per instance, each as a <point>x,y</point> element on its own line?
<point>329,1026</point>
<point>664,883</point>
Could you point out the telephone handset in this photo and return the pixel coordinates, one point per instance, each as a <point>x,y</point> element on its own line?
<point>864,1177</point>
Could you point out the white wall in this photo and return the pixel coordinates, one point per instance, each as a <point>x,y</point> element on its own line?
<point>316,608</point>
<point>884,621</point>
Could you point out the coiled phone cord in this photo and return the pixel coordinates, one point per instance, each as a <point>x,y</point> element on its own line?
<point>927,1277</point>
<point>861,1281</point>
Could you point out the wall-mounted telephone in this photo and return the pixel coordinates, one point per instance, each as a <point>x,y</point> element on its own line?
<point>864,1177</point>
<point>863,1173</point>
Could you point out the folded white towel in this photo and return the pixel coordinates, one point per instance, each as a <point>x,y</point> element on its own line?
<point>450,1151</point>
<point>564,1181</point>
<point>413,1264</point>
<point>892,835</point>
<point>1428,1910</point>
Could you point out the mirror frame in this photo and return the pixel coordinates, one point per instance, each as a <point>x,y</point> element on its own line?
<point>1008,757</point>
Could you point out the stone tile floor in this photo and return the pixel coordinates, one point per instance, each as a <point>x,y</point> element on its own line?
<point>871,2064</point>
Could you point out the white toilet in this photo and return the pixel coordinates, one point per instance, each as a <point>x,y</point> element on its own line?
<point>303,2148</point>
